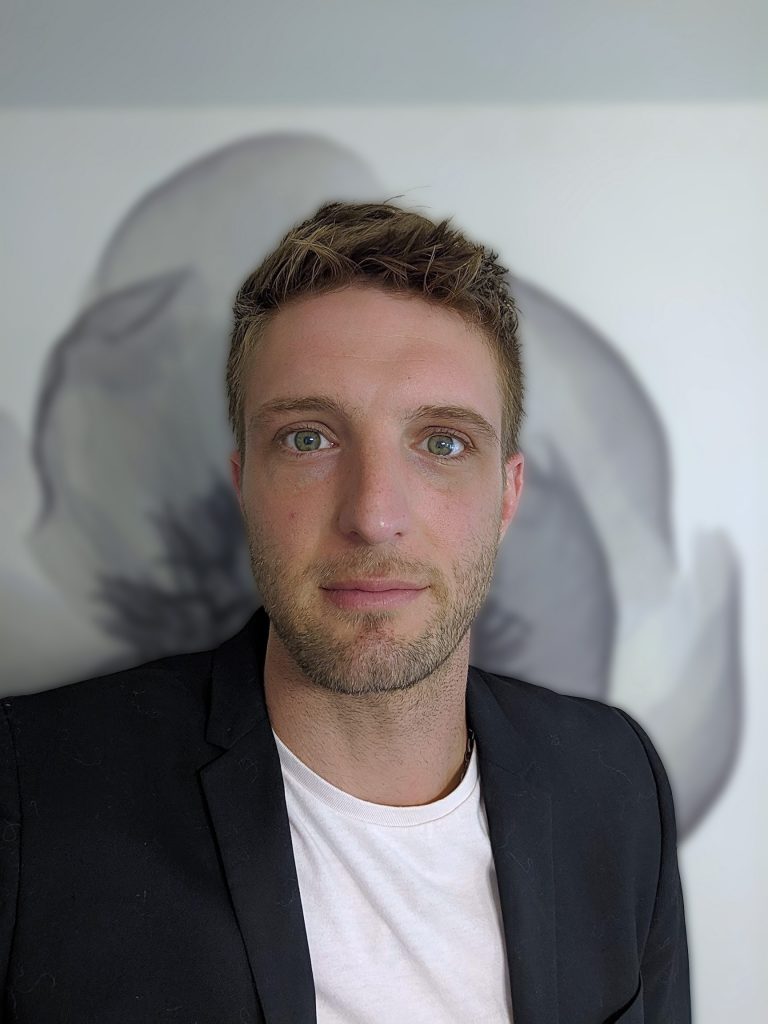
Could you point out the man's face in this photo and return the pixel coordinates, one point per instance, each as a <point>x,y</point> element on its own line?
<point>373,487</point>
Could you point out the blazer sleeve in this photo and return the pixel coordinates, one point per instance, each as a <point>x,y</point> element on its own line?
<point>664,966</point>
<point>10,843</point>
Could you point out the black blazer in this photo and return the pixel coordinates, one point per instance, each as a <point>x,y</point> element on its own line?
<point>147,871</point>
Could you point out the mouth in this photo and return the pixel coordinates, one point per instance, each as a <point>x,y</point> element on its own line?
<point>373,594</point>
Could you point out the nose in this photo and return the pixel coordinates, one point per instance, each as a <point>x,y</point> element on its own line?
<point>374,503</point>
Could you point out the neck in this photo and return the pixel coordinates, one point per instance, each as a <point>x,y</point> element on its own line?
<point>402,749</point>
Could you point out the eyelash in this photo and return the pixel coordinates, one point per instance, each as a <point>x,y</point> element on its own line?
<point>430,432</point>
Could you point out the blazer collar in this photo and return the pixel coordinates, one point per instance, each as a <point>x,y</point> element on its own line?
<point>246,799</point>
<point>237,683</point>
<point>519,816</point>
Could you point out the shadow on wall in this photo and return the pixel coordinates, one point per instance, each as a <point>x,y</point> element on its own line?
<point>125,543</point>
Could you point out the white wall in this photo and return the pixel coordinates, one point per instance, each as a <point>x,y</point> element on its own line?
<point>363,52</point>
<point>649,220</point>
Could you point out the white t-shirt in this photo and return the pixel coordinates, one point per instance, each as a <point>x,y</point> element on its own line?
<point>400,904</point>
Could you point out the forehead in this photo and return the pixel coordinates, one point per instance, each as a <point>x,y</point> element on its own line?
<point>374,350</point>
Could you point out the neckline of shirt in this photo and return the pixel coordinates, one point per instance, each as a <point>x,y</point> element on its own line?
<point>363,810</point>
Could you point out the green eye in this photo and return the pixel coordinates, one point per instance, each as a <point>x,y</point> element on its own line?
<point>307,440</point>
<point>444,444</point>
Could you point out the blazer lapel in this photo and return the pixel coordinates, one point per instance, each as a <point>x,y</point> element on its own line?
<point>246,800</point>
<point>520,829</point>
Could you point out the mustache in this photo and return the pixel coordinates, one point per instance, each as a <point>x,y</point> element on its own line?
<point>363,564</point>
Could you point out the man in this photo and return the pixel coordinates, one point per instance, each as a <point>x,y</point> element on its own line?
<point>332,817</point>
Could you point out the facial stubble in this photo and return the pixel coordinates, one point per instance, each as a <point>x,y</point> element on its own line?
<point>361,652</point>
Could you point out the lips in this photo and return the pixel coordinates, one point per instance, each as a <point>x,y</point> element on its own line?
<point>375,586</point>
<point>373,594</point>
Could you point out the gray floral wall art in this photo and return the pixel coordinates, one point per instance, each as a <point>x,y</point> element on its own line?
<point>122,539</point>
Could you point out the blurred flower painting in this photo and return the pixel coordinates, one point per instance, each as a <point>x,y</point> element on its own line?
<point>122,539</point>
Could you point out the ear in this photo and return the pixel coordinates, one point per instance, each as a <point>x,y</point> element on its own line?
<point>236,470</point>
<point>513,488</point>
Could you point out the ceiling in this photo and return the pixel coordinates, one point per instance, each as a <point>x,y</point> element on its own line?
<point>106,53</point>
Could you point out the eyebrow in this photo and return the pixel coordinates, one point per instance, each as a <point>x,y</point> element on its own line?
<point>307,403</point>
<point>456,412</point>
<point>327,404</point>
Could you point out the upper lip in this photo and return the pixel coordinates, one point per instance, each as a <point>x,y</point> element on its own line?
<point>375,585</point>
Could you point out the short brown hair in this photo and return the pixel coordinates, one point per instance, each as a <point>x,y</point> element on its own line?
<point>382,245</point>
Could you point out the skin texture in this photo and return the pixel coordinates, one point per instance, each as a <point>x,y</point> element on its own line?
<point>347,477</point>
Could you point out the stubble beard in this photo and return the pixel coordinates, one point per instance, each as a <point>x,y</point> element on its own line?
<point>361,652</point>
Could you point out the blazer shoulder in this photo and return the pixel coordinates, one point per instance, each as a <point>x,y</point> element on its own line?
<point>535,700</point>
<point>579,733</point>
<point>161,694</point>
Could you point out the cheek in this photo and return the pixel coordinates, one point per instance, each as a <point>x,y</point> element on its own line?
<point>461,518</point>
<point>289,515</point>
<point>294,486</point>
